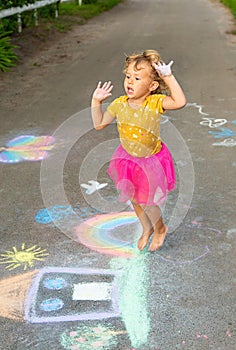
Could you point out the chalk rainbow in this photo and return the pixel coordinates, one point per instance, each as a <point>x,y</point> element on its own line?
<point>97,233</point>
<point>26,148</point>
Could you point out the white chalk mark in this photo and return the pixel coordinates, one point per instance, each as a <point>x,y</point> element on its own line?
<point>226,143</point>
<point>199,107</point>
<point>179,262</point>
<point>92,291</point>
<point>231,233</point>
<point>213,123</point>
<point>93,186</point>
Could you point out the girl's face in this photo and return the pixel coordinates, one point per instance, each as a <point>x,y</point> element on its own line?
<point>138,83</point>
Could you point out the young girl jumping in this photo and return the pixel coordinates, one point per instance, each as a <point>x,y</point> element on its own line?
<point>142,167</point>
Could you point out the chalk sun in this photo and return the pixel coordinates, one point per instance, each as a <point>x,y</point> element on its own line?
<point>22,258</point>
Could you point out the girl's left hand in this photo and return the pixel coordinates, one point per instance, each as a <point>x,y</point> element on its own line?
<point>164,70</point>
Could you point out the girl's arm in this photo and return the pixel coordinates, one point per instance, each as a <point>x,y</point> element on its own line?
<point>177,98</point>
<point>101,119</point>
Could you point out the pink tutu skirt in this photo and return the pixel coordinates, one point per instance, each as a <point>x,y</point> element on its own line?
<point>145,180</point>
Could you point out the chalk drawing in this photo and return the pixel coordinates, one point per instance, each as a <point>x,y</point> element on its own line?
<point>92,291</point>
<point>26,148</point>
<point>53,304</point>
<point>190,261</point>
<point>25,257</point>
<point>199,107</point>
<point>13,294</point>
<point>224,132</point>
<point>63,213</point>
<point>206,251</point>
<point>98,233</point>
<point>226,143</point>
<point>79,295</point>
<point>133,283</point>
<point>213,123</point>
<point>57,283</point>
<point>216,123</point>
<point>93,186</point>
<point>91,337</point>
<point>199,225</point>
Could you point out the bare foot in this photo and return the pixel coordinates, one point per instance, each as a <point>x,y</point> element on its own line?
<point>158,238</point>
<point>143,240</point>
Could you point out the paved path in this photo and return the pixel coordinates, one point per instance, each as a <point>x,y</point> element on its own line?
<point>59,294</point>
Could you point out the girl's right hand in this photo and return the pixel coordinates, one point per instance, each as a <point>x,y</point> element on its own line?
<point>103,92</point>
<point>164,70</point>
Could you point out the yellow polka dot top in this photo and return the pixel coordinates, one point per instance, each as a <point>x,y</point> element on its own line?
<point>139,128</point>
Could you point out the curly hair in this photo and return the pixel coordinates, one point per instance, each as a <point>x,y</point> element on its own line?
<point>150,57</point>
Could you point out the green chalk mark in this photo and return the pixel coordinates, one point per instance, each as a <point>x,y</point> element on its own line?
<point>133,281</point>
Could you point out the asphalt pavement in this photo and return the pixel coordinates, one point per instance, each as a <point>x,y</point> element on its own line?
<point>71,274</point>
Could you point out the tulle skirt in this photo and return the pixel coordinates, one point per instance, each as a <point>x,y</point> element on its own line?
<point>145,180</point>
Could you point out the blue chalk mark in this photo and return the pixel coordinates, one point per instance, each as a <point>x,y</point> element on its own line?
<point>233,121</point>
<point>223,133</point>
<point>55,283</point>
<point>64,213</point>
<point>52,304</point>
<point>57,213</point>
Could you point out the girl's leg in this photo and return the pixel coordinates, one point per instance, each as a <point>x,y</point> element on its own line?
<point>146,225</point>
<point>160,230</point>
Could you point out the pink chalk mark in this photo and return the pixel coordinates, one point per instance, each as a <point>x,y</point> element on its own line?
<point>97,344</point>
<point>75,347</point>
<point>80,340</point>
<point>97,330</point>
<point>73,334</point>
<point>196,223</point>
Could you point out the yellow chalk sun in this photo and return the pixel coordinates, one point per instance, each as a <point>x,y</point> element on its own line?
<point>24,257</point>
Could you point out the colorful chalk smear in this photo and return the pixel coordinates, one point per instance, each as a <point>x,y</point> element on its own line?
<point>26,148</point>
<point>91,337</point>
<point>98,233</point>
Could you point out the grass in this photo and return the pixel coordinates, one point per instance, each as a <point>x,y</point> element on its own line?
<point>88,10</point>
<point>7,54</point>
<point>63,23</point>
<point>231,4</point>
<point>70,13</point>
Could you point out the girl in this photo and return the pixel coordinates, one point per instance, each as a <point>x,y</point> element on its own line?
<point>142,167</point>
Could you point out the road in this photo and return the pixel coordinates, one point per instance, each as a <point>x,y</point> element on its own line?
<point>71,276</point>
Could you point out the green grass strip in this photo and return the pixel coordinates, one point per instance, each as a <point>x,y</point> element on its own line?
<point>87,11</point>
<point>231,4</point>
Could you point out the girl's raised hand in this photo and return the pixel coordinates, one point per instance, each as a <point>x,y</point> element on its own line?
<point>164,70</point>
<point>103,92</point>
